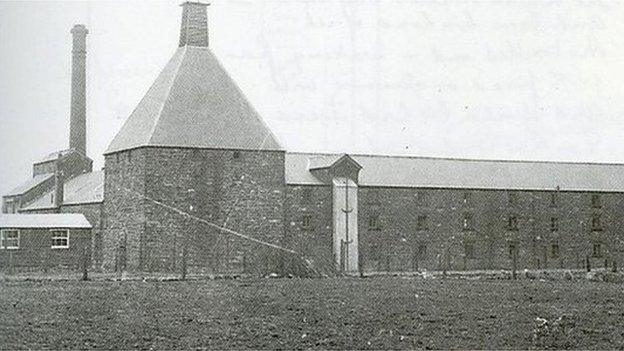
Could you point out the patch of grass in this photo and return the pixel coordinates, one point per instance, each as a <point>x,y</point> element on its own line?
<point>373,313</point>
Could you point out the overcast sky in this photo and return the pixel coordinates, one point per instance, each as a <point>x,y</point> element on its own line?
<point>534,80</point>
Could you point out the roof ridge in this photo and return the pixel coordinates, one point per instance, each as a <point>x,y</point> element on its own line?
<point>167,94</point>
<point>457,158</point>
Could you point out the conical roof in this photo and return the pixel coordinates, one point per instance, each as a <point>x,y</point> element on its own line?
<point>194,103</point>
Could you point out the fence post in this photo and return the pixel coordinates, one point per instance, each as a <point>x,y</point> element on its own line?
<point>184,257</point>
<point>85,264</point>
<point>11,262</point>
<point>514,267</point>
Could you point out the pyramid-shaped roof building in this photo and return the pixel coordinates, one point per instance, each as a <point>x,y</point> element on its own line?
<point>194,102</point>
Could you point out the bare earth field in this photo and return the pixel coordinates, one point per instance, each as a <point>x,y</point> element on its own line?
<point>372,313</point>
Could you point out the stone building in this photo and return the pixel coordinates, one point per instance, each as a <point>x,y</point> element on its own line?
<point>196,179</point>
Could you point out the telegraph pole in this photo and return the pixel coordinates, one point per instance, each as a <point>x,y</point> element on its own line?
<point>346,211</point>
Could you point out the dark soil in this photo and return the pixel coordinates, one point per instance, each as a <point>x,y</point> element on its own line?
<point>373,313</point>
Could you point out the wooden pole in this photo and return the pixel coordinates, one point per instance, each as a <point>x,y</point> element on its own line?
<point>347,211</point>
<point>85,264</point>
<point>11,262</point>
<point>514,267</point>
<point>184,257</point>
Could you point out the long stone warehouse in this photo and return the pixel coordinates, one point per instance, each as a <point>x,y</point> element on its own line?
<point>195,177</point>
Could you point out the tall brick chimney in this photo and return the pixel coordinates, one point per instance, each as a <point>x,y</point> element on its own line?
<point>194,29</point>
<point>78,119</point>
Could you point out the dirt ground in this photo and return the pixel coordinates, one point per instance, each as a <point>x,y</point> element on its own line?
<point>371,313</point>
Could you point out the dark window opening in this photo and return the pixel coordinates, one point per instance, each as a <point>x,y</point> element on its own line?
<point>421,198</point>
<point>466,197</point>
<point>469,250</point>
<point>512,223</point>
<point>421,223</point>
<point>373,222</point>
<point>236,155</point>
<point>512,249</point>
<point>554,250</point>
<point>597,250</point>
<point>306,195</point>
<point>596,201</point>
<point>554,224</point>
<point>129,155</point>
<point>306,222</point>
<point>554,199</point>
<point>422,251</point>
<point>512,198</point>
<point>596,223</point>
<point>467,222</point>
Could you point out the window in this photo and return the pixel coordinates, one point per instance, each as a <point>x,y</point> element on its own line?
<point>421,198</point>
<point>512,223</point>
<point>117,157</point>
<point>421,223</point>
<point>596,222</point>
<point>9,205</point>
<point>373,222</point>
<point>306,195</point>
<point>597,250</point>
<point>467,222</point>
<point>469,251</point>
<point>306,222</point>
<point>554,250</point>
<point>554,199</point>
<point>9,239</point>
<point>60,239</point>
<point>596,201</point>
<point>554,224</point>
<point>512,198</point>
<point>466,197</point>
<point>236,155</point>
<point>512,249</point>
<point>129,155</point>
<point>422,251</point>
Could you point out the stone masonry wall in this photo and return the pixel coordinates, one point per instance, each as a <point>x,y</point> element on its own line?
<point>174,187</point>
<point>309,224</point>
<point>405,229</point>
<point>124,209</point>
<point>442,240</point>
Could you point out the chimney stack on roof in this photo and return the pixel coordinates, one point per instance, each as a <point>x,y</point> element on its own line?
<point>78,117</point>
<point>58,184</point>
<point>194,29</point>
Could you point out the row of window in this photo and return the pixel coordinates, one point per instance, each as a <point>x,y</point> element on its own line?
<point>470,252</point>
<point>512,198</point>
<point>467,222</point>
<point>422,222</point>
<point>10,239</point>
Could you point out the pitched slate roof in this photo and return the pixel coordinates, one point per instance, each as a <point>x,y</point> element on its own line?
<point>56,220</point>
<point>54,155</point>
<point>194,103</point>
<point>83,189</point>
<point>29,184</point>
<point>401,171</point>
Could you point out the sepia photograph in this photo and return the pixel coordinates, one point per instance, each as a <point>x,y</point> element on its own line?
<point>311,174</point>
